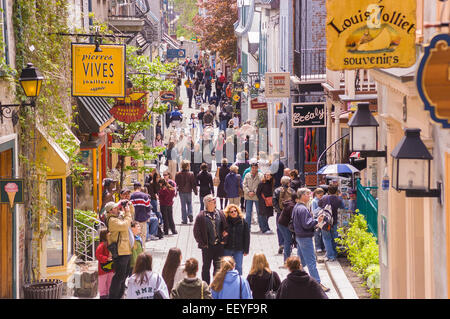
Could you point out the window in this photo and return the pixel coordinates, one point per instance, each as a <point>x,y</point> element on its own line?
<point>4,53</point>
<point>55,243</point>
<point>69,205</point>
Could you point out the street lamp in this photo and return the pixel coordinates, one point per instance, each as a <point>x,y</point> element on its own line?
<point>364,132</point>
<point>31,82</point>
<point>411,166</point>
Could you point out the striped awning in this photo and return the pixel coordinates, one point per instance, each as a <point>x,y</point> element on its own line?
<point>93,116</point>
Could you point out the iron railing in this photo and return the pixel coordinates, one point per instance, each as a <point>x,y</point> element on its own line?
<point>368,206</point>
<point>122,9</point>
<point>85,236</point>
<point>310,64</point>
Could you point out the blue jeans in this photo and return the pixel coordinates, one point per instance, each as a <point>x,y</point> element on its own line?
<point>279,235</point>
<point>318,241</point>
<point>154,204</point>
<point>152,226</point>
<point>287,240</point>
<point>305,250</point>
<point>263,222</point>
<point>248,210</point>
<point>328,239</point>
<point>186,205</point>
<point>238,258</point>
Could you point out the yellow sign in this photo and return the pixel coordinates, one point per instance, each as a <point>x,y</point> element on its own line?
<point>98,73</point>
<point>367,34</point>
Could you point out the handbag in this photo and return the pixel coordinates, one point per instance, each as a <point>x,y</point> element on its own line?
<point>114,247</point>
<point>267,200</point>
<point>270,294</point>
<point>107,267</point>
<point>216,181</point>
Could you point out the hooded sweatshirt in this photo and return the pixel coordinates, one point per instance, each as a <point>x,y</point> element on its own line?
<point>191,288</point>
<point>299,285</point>
<point>231,285</point>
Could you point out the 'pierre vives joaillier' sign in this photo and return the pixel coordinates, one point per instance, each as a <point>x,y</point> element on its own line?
<point>368,34</point>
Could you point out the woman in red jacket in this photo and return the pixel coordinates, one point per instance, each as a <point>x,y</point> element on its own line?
<point>104,257</point>
<point>166,195</point>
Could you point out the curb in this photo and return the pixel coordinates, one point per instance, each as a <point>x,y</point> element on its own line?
<point>340,281</point>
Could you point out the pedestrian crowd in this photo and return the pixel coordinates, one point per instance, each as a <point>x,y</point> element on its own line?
<point>242,185</point>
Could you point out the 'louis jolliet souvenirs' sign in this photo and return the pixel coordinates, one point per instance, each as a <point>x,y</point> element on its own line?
<point>368,34</point>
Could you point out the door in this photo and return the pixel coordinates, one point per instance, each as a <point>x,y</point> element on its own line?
<point>6,262</point>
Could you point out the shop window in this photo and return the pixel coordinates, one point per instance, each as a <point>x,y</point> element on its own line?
<point>3,32</point>
<point>55,244</point>
<point>85,193</point>
<point>69,205</point>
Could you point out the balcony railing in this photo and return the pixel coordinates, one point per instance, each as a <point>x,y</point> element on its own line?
<point>310,64</point>
<point>125,16</point>
<point>122,9</point>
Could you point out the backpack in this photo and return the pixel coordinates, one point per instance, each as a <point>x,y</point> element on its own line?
<point>285,194</point>
<point>327,214</point>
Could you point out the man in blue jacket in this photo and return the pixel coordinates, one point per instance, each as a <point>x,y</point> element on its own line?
<point>232,184</point>
<point>142,208</point>
<point>304,225</point>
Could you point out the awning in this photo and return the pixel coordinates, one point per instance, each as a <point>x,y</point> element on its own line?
<point>174,44</point>
<point>93,116</point>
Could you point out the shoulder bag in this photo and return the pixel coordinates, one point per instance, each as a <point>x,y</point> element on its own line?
<point>270,294</point>
<point>267,200</point>
<point>216,181</point>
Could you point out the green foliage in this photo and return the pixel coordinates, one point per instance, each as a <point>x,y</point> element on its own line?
<point>85,220</point>
<point>362,251</point>
<point>188,10</point>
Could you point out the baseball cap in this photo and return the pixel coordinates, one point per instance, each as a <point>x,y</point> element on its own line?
<point>254,162</point>
<point>111,205</point>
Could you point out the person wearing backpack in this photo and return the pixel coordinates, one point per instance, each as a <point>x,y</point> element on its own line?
<point>281,194</point>
<point>315,209</point>
<point>285,225</point>
<point>304,225</point>
<point>330,236</point>
<point>119,243</point>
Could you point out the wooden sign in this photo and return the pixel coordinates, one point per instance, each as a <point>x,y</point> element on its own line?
<point>255,105</point>
<point>433,79</point>
<point>167,95</point>
<point>98,73</point>
<point>277,85</point>
<point>367,34</point>
<point>308,115</point>
<point>131,108</point>
<point>11,191</point>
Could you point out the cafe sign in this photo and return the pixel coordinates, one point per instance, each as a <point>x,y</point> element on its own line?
<point>433,79</point>
<point>98,73</point>
<point>130,109</point>
<point>278,85</point>
<point>11,191</point>
<point>367,34</point>
<point>308,115</point>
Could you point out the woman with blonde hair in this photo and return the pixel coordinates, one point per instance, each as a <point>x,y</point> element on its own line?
<point>228,284</point>
<point>238,242</point>
<point>260,277</point>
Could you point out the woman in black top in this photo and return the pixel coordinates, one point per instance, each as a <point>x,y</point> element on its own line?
<point>260,276</point>
<point>265,189</point>
<point>205,181</point>
<point>223,172</point>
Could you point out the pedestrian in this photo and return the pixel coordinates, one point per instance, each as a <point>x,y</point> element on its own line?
<point>176,117</point>
<point>296,182</point>
<point>298,284</point>
<point>233,185</point>
<point>238,239</point>
<point>264,193</point>
<point>144,283</point>
<point>173,270</point>
<point>193,124</point>
<point>261,278</point>
<point>315,209</point>
<point>210,232</point>
<point>304,225</point>
<point>200,118</point>
<point>190,94</point>
<point>287,172</point>
<point>228,284</point>
<point>219,147</point>
<point>235,120</point>
<point>263,161</point>
<point>224,118</point>
<point>208,118</point>
<point>158,142</point>
<point>208,89</point>
<point>166,195</point>
<point>281,194</point>
<point>283,223</point>
<point>213,99</point>
<point>138,245</point>
<point>277,169</point>
<point>191,287</point>
<point>223,171</point>
<point>250,186</point>
<point>330,236</point>
<point>171,156</point>
<point>186,184</point>
<point>242,163</point>
<point>118,227</point>
<point>105,267</point>
<point>205,183</point>
<point>152,186</point>
<point>168,178</point>
<point>142,208</point>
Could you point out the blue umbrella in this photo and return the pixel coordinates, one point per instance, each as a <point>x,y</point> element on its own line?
<point>338,169</point>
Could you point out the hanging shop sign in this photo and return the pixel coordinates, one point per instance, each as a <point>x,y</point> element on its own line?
<point>433,79</point>
<point>308,115</point>
<point>167,95</point>
<point>11,191</point>
<point>98,73</point>
<point>278,85</point>
<point>130,109</point>
<point>255,105</point>
<point>176,53</point>
<point>369,34</point>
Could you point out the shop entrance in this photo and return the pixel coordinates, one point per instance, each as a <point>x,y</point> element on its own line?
<point>6,232</point>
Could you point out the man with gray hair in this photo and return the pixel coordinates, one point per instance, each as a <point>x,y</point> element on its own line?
<point>210,232</point>
<point>281,194</point>
<point>304,225</point>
